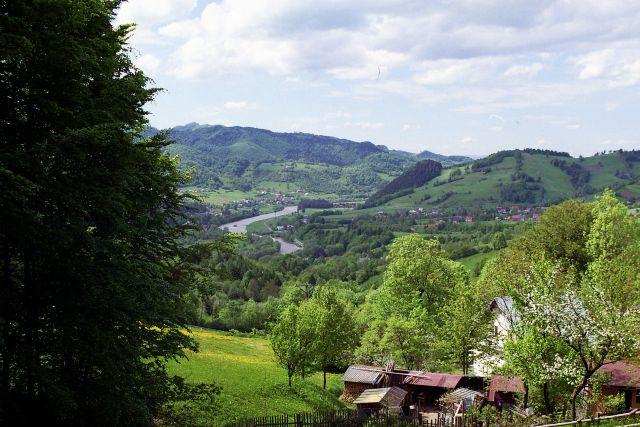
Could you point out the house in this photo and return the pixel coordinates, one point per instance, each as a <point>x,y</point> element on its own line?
<point>623,377</point>
<point>504,316</point>
<point>377,400</point>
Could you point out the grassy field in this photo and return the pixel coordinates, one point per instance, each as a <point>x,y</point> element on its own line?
<point>252,382</point>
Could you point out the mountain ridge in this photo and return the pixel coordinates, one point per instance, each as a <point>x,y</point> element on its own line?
<point>255,159</point>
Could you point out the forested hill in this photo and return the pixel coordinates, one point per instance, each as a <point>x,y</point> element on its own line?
<point>417,175</point>
<point>249,159</point>
<point>527,177</point>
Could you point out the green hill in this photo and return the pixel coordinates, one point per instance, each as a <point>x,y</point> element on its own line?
<point>526,177</point>
<point>250,160</point>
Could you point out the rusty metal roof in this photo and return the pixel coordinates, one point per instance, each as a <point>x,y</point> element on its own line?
<point>388,396</point>
<point>622,374</point>
<point>432,379</point>
<point>363,374</point>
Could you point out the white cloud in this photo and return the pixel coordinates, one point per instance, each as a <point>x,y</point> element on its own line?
<point>350,40</point>
<point>496,128</point>
<point>528,70</point>
<point>410,126</point>
<point>619,65</point>
<point>450,71</point>
<point>364,125</point>
<point>467,140</point>
<point>152,12</point>
<point>573,126</point>
<point>147,63</point>
<point>239,106</point>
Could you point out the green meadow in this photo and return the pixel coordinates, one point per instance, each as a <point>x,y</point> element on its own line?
<point>252,382</point>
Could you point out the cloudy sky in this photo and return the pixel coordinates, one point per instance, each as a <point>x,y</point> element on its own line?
<point>451,76</point>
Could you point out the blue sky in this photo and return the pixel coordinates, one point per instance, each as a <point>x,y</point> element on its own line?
<point>450,76</point>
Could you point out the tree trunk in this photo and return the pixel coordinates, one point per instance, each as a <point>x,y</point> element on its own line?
<point>525,398</point>
<point>574,397</point>
<point>289,375</point>
<point>324,380</point>
<point>545,396</point>
<point>6,353</point>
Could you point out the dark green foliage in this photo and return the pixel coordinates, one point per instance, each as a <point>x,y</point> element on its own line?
<point>419,174</point>
<point>579,176</point>
<point>92,274</point>
<point>314,204</point>
<point>501,155</point>
<point>518,192</point>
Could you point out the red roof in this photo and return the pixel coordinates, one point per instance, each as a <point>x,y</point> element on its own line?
<point>622,374</point>
<point>506,384</point>
<point>432,379</point>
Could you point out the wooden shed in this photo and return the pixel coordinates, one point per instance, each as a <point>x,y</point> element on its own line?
<point>503,391</point>
<point>359,378</point>
<point>376,400</point>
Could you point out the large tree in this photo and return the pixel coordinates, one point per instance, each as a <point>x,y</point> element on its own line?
<point>92,276</point>
<point>406,312</point>
<point>336,330</point>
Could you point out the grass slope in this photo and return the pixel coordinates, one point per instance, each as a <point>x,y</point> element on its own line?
<point>482,188</point>
<point>252,382</point>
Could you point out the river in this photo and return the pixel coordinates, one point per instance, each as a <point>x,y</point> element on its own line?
<point>241,227</point>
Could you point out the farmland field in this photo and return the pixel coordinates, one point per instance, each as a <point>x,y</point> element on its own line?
<point>252,382</point>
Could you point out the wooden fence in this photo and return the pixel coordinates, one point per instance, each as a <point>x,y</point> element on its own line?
<point>597,420</point>
<point>350,418</point>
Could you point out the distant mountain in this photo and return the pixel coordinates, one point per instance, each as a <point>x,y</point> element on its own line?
<point>526,177</point>
<point>251,159</point>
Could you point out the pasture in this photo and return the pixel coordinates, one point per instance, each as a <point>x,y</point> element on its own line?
<point>252,382</point>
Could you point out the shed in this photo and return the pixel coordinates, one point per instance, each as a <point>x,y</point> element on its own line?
<point>426,388</point>
<point>503,390</point>
<point>359,378</point>
<point>378,399</point>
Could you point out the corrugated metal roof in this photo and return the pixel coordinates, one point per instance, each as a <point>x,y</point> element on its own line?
<point>465,393</point>
<point>622,374</point>
<point>432,379</point>
<point>363,374</point>
<point>388,396</point>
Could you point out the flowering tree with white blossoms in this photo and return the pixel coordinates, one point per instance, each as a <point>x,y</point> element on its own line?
<point>595,314</point>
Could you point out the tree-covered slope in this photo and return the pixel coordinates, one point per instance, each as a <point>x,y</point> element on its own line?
<point>250,159</point>
<point>527,177</point>
<point>417,175</point>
